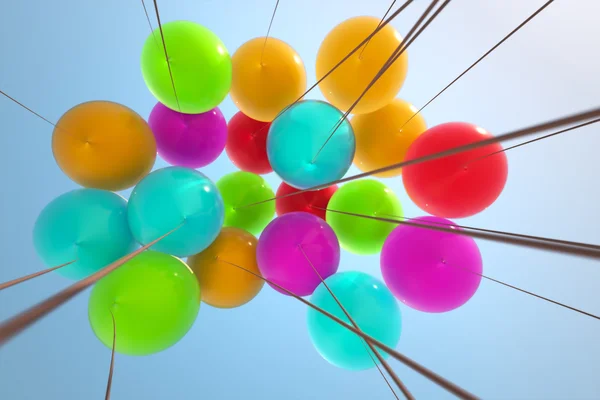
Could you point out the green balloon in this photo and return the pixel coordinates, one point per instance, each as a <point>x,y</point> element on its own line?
<point>154,298</point>
<point>366,197</point>
<point>243,188</point>
<point>200,64</point>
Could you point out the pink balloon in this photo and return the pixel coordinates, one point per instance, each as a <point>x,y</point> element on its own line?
<point>429,270</point>
<point>188,140</point>
<point>280,257</point>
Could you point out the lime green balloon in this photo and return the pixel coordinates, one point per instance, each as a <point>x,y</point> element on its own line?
<point>200,64</point>
<point>154,298</point>
<point>366,197</point>
<point>243,188</point>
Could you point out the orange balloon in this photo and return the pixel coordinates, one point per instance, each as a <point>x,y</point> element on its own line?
<point>222,284</point>
<point>380,141</point>
<point>344,86</point>
<point>261,90</point>
<point>104,145</point>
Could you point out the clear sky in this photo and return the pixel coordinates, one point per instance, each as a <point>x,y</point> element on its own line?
<point>500,345</point>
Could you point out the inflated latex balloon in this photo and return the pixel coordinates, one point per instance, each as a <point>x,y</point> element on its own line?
<point>299,147</point>
<point>429,270</point>
<point>103,145</point>
<point>247,144</point>
<point>380,141</point>
<point>288,246</point>
<point>240,189</point>
<point>188,140</point>
<point>267,77</point>
<point>365,197</point>
<point>87,225</point>
<point>313,202</point>
<point>372,307</point>
<point>199,62</point>
<point>344,86</point>
<point>460,185</point>
<point>224,285</point>
<point>176,197</point>
<point>154,298</point>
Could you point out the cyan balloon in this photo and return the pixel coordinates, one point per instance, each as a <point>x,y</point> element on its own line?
<point>87,225</point>
<point>371,305</point>
<point>176,197</point>
<point>300,149</point>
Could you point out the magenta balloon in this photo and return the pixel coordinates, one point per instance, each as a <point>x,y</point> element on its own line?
<point>429,270</point>
<point>280,257</point>
<point>188,140</point>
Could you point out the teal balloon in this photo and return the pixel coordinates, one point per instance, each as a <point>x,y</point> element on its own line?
<point>299,133</point>
<point>176,197</point>
<point>373,308</point>
<point>87,225</point>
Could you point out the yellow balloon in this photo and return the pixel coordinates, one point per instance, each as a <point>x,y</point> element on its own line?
<point>380,141</point>
<point>104,145</point>
<point>224,285</point>
<point>343,87</point>
<point>261,90</point>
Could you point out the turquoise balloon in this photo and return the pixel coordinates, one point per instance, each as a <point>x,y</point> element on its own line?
<point>373,308</point>
<point>176,197</point>
<point>295,138</point>
<point>89,225</point>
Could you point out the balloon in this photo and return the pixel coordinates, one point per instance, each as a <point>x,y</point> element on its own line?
<point>200,66</point>
<point>247,144</point>
<point>87,225</point>
<point>103,145</point>
<point>154,298</point>
<point>192,141</point>
<point>460,185</point>
<point>371,306</point>
<point>429,270</point>
<point>297,135</point>
<point>265,82</point>
<point>176,197</point>
<point>311,202</point>
<point>224,285</point>
<point>282,247</point>
<point>380,141</point>
<point>344,86</point>
<point>365,197</point>
<point>240,189</point>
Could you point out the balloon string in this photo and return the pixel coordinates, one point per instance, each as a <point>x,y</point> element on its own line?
<point>410,37</point>
<point>166,54</point>
<point>539,10</point>
<point>523,132</point>
<point>346,57</point>
<point>378,25</point>
<point>112,358</point>
<point>437,379</point>
<point>262,54</point>
<point>534,140</point>
<point>17,324</point>
<point>577,249</point>
<point>525,291</point>
<point>549,240</point>
<point>25,278</point>
<point>365,343</point>
<point>149,23</point>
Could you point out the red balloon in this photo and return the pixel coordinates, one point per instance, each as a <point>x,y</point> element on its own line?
<point>305,201</point>
<point>459,185</point>
<point>246,144</point>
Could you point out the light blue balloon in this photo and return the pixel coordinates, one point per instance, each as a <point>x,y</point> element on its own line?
<point>373,308</point>
<point>89,225</point>
<point>176,197</point>
<point>295,138</point>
